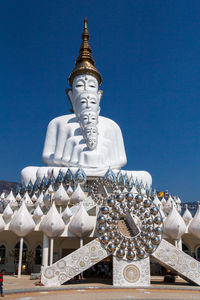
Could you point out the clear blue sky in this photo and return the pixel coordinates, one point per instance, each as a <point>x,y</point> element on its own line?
<point>148,53</point>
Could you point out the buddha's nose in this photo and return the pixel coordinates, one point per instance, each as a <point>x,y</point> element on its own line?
<point>88,104</point>
<point>85,87</point>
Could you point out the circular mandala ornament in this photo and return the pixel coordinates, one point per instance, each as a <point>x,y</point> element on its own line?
<point>62,278</point>
<point>86,258</point>
<point>71,272</point>
<point>82,264</point>
<point>61,264</point>
<point>129,226</point>
<point>131,273</point>
<point>49,273</point>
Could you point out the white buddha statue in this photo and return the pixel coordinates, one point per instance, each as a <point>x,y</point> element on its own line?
<point>65,143</point>
<point>83,139</point>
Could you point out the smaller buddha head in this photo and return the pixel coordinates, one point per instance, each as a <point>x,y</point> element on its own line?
<point>90,134</point>
<point>88,117</point>
<point>85,94</point>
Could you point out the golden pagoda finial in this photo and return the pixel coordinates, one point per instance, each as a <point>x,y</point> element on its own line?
<point>85,62</point>
<point>85,23</point>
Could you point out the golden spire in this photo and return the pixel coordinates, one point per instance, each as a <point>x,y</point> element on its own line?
<point>85,62</point>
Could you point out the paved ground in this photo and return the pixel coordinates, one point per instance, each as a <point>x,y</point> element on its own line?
<point>25,289</point>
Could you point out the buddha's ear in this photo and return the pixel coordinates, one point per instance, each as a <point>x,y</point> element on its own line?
<point>69,96</point>
<point>100,94</point>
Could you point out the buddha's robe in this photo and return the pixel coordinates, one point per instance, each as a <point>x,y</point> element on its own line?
<point>65,146</point>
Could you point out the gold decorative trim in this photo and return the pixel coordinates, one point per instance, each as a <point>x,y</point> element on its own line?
<point>85,62</point>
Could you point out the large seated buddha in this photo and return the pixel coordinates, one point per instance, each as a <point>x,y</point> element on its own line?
<point>83,139</point>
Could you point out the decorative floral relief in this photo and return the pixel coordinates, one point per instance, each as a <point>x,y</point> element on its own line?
<point>180,262</point>
<point>73,264</point>
<point>131,273</point>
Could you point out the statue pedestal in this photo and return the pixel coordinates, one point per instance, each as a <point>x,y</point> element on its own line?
<point>32,173</point>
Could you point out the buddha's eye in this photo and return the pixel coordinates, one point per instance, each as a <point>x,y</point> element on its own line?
<point>93,101</point>
<point>92,84</point>
<point>79,84</point>
<point>83,101</point>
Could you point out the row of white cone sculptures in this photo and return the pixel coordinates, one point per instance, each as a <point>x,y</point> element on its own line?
<point>21,221</point>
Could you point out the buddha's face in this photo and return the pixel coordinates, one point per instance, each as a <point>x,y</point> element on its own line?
<point>88,117</point>
<point>85,94</point>
<point>84,83</point>
<point>90,130</point>
<point>90,134</point>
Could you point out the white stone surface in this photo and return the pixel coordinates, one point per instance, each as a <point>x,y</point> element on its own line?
<point>65,145</point>
<point>174,225</point>
<point>194,226</point>
<point>73,264</point>
<point>2,223</point>
<point>128,273</point>
<point>78,195</point>
<point>8,212</point>
<point>61,197</point>
<point>27,200</point>
<point>81,225</point>
<point>47,199</point>
<point>39,172</point>
<point>22,222</point>
<point>163,202</point>
<point>134,191</point>
<point>186,266</point>
<point>50,190</point>
<point>13,204</point>
<point>187,216</point>
<point>40,200</point>
<point>34,198</point>
<point>168,204</point>
<point>162,213</point>
<point>69,191</point>
<point>37,214</point>
<point>2,197</point>
<point>88,204</point>
<point>67,214</point>
<point>157,202</point>
<point>52,224</point>
<point>10,197</point>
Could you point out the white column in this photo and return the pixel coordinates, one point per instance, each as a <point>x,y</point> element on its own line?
<point>20,257</point>
<point>179,244</point>
<point>45,250</point>
<point>81,245</point>
<point>81,242</point>
<point>51,251</point>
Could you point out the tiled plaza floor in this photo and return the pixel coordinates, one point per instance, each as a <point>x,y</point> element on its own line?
<point>25,289</point>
